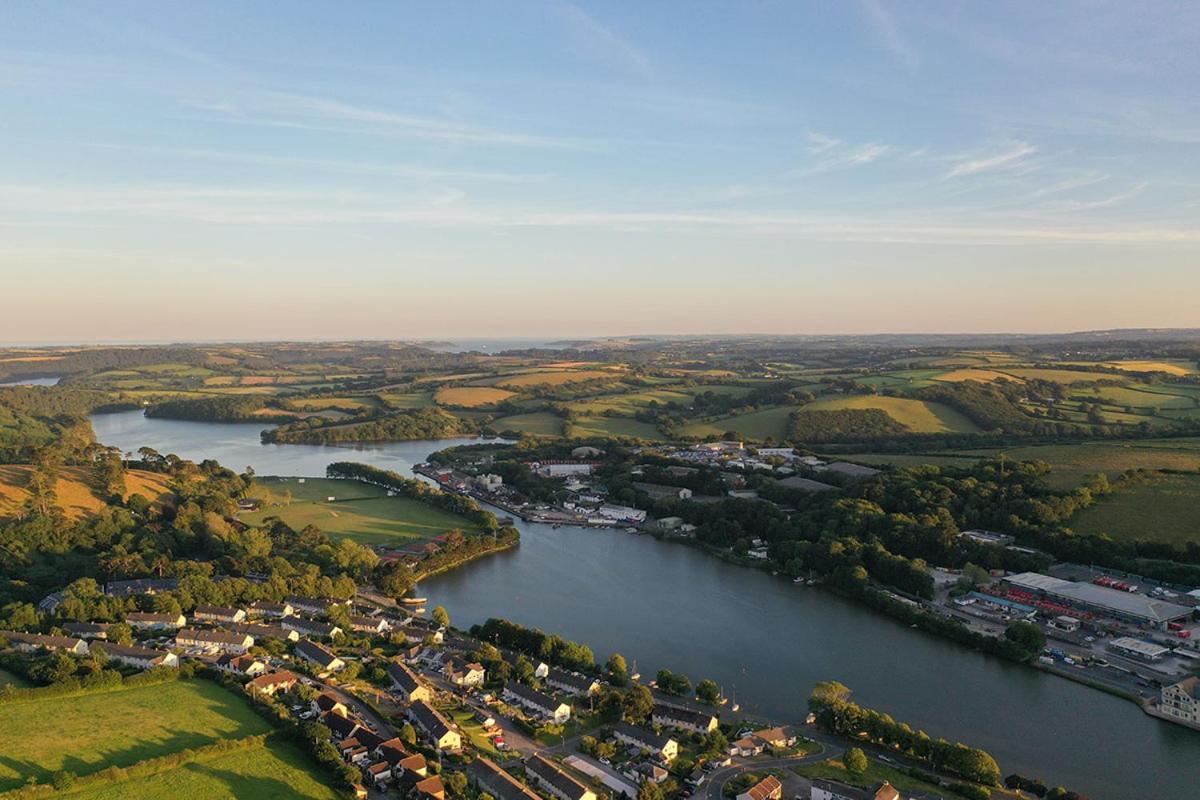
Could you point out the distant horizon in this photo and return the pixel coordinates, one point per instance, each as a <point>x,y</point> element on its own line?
<point>428,340</point>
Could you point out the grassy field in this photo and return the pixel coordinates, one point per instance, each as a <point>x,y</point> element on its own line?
<point>542,423</point>
<point>1072,463</point>
<point>74,488</point>
<point>407,400</point>
<point>766,423</point>
<point>1129,396</point>
<point>360,512</point>
<point>613,426</point>
<point>471,396</point>
<point>1055,375</point>
<point>87,732</point>
<point>919,416</point>
<point>1166,508</point>
<point>833,769</point>
<point>555,378</point>
<point>277,770</point>
<point>973,374</point>
<point>1174,366</point>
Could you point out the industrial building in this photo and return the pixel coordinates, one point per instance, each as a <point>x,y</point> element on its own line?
<point>1125,606</point>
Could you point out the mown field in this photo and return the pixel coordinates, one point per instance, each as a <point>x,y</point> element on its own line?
<point>1165,507</point>
<point>360,512</point>
<point>585,427</point>
<point>276,770</point>
<point>766,423</point>
<point>87,732</point>
<point>471,396</point>
<point>541,423</point>
<point>919,416</point>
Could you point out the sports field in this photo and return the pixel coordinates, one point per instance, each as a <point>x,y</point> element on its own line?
<point>359,511</point>
<point>87,732</point>
<point>1162,508</point>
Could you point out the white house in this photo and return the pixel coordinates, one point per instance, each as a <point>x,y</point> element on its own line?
<point>541,704</point>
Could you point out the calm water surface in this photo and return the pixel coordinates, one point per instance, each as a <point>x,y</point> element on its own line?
<point>666,605</point>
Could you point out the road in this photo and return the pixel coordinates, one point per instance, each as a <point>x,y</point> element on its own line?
<point>714,786</point>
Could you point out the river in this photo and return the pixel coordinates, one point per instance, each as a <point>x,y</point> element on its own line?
<point>667,605</point>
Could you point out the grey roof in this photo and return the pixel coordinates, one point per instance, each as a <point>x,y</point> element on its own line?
<point>429,719</point>
<point>851,470</point>
<point>497,782</point>
<point>1131,603</point>
<point>403,677</point>
<point>128,651</point>
<point>550,772</point>
<point>687,715</point>
<point>580,683</point>
<point>315,653</point>
<point>644,736</point>
<point>532,696</point>
<point>216,637</point>
<point>806,484</point>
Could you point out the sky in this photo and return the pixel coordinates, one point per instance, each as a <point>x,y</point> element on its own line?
<point>175,171</point>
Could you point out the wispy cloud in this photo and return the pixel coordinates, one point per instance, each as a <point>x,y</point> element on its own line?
<point>890,34</point>
<point>30,205</point>
<point>331,165</point>
<point>1008,158</point>
<point>833,153</point>
<point>1103,202</point>
<point>600,37</point>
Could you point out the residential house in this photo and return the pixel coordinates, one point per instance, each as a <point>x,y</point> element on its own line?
<point>435,727</point>
<point>645,771</point>
<point>272,682</point>
<point>823,789</point>
<point>769,788</point>
<point>327,702</point>
<point>86,630</point>
<point>310,605</point>
<point>312,652</point>
<point>210,613</point>
<point>311,627</point>
<point>406,683</point>
<point>260,631</point>
<point>380,773</point>
<point>683,718</point>
<point>540,704</point>
<point>572,683</point>
<point>1181,701</point>
<point>540,668</point>
<point>745,747</point>
<point>549,777</point>
<point>403,761</point>
<point>32,642</point>
<point>343,728</point>
<point>658,491</point>
<point>470,675</point>
<point>241,665</point>
<point>140,657</point>
<point>662,747</point>
<point>488,777</point>
<point>430,788</point>
<point>373,625</point>
<point>264,608</point>
<point>155,622</point>
<point>775,737</point>
<point>214,641</point>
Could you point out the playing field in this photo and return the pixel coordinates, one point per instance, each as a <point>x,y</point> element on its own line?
<point>87,732</point>
<point>359,511</point>
<point>1162,508</point>
<point>919,416</point>
<point>541,423</point>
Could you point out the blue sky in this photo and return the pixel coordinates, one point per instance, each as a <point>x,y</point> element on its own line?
<point>533,168</point>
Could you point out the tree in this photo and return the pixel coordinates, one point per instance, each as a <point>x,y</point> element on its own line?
<point>638,703</point>
<point>707,691</point>
<point>440,616</point>
<point>855,761</point>
<point>618,671</point>
<point>456,783</point>
<point>1027,635</point>
<point>408,734</point>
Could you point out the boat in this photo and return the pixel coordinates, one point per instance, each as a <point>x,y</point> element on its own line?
<point>735,706</point>
<point>798,581</point>
<point>414,601</point>
<point>635,675</point>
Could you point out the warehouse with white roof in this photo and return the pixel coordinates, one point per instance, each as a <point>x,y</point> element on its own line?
<point>1127,606</point>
